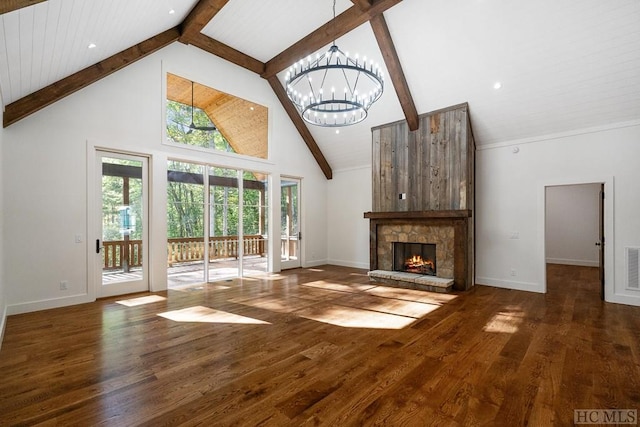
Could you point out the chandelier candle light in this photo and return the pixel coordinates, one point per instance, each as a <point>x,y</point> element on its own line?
<point>359,82</point>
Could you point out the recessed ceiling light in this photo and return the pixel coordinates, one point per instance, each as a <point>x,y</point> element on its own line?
<point>497,85</point>
<point>171,11</point>
<point>337,130</point>
<point>91,46</point>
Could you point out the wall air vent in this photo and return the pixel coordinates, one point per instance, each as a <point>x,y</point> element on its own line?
<point>633,267</point>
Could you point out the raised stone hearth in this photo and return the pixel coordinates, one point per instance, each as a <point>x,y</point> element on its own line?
<point>411,281</point>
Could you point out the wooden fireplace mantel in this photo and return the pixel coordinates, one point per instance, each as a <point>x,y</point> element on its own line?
<point>464,213</point>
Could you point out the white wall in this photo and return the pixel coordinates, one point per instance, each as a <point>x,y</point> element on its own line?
<point>349,198</point>
<point>510,199</point>
<point>572,224</point>
<point>47,170</point>
<point>3,306</point>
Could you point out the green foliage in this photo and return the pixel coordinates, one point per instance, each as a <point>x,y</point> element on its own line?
<point>178,131</point>
<point>113,201</point>
<point>186,205</point>
<point>289,206</point>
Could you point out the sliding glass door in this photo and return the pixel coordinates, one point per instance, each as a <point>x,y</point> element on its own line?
<point>210,236</point>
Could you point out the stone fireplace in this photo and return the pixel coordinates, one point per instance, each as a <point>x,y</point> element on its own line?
<point>423,194</point>
<point>448,231</point>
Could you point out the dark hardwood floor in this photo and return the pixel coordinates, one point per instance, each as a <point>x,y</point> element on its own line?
<point>322,346</point>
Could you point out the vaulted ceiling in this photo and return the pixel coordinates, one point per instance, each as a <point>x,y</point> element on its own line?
<point>563,64</point>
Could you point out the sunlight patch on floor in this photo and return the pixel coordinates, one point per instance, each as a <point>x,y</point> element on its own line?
<point>504,322</point>
<point>411,295</point>
<point>415,309</point>
<point>323,284</point>
<point>200,314</point>
<point>201,287</point>
<point>349,317</point>
<point>141,300</point>
<point>275,304</point>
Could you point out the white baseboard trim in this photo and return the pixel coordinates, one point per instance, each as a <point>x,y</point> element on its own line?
<point>578,262</point>
<point>508,284</point>
<point>315,263</point>
<point>28,307</point>
<point>3,322</point>
<point>353,264</point>
<point>625,299</point>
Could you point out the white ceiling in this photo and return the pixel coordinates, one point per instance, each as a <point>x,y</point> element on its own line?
<point>563,64</point>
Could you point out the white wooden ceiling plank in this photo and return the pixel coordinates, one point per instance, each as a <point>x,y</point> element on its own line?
<point>90,33</point>
<point>12,37</point>
<point>5,77</point>
<point>49,49</point>
<point>26,47</point>
<point>60,34</point>
<point>78,46</point>
<point>39,36</point>
<point>70,58</point>
<point>264,29</point>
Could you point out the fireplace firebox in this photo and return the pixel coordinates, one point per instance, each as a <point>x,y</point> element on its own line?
<point>417,258</point>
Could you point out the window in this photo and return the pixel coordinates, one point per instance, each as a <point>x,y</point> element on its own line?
<point>200,116</point>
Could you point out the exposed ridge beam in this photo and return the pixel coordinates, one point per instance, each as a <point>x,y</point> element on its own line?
<point>224,51</point>
<point>391,60</point>
<point>29,104</point>
<point>199,17</point>
<point>300,125</point>
<point>7,6</point>
<point>341,25</point>
<point>362,4</point>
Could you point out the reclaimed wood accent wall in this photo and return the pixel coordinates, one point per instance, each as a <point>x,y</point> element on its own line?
<point>429,169</point>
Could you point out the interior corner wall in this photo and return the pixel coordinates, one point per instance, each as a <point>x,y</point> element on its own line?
<point>45,158</point>
<point>3,305</point>
<point>349,198</point>
<point>572,224</point>
<point>509,215</point>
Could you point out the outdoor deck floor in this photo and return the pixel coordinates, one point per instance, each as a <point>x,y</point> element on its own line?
<point>187,274</point>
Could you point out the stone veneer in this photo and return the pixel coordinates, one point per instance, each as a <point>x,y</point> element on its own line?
<point>440,235</point>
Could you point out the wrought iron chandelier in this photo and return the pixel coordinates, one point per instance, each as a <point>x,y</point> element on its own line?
<point>334,89</point>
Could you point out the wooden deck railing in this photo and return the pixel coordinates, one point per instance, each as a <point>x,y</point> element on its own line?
<point>192,248</point>
<point>184,249</point>
<point>112,255</point>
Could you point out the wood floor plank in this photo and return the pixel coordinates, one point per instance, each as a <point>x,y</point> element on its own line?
<point>324,346</point>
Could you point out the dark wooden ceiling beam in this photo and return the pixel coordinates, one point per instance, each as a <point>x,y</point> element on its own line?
<point>300,125</point>
<point>341,25</point>
<point>224,51</point>
<point>199,17</point>
<point>7,6</point>
<point>391,60</point>
<point>363,4</point>
<point>29,104</point>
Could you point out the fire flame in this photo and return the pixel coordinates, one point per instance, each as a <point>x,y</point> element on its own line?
<point>417,261</point>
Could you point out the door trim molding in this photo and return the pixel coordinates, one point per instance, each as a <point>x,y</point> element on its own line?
<point>608,181</point>
<point>94,274</point>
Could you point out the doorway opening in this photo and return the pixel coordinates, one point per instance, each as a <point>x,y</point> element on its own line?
<point>574,236</point>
